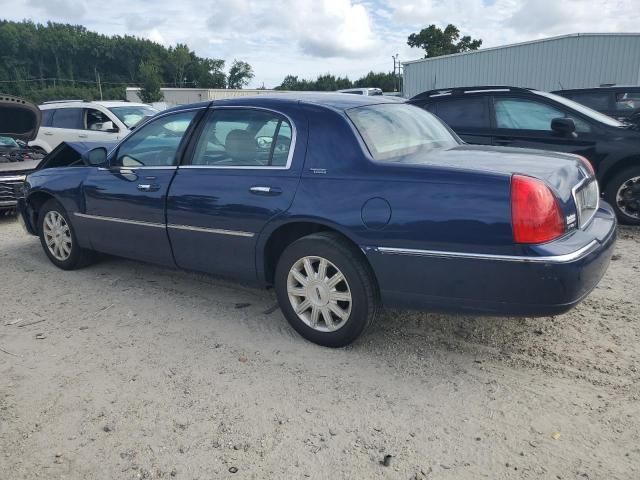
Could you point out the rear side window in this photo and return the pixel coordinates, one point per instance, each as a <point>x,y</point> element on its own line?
<point>596,100</point>
<point>471,112</point>
<point>47,118</point>
<point>68,118</point>
<point>244,137</point>
<point>627,101</point>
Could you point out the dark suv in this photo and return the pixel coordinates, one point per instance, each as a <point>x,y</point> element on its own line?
<point>622,103</point>
<point>519,117</point>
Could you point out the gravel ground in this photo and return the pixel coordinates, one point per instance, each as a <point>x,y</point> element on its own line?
<point>126,371</point>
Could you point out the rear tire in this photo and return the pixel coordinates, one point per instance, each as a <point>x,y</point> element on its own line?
<point>325,289</point>
<point>623,193</point>
<point>58,238</point>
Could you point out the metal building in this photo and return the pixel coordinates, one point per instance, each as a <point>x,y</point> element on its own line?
<point>570,61</point>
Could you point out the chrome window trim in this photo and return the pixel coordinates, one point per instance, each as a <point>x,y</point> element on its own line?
<point>292,146</point>
<point>568,257</point>
<point>219,231</point>
<point>489,90</point>
<point>114,168</point>
<point>120,220</point>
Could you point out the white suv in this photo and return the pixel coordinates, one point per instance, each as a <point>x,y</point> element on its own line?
<point>80,121</point>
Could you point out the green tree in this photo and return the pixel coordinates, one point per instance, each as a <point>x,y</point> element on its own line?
<point>150,80</point>
<point>436,42</point>
<point>240,74</point>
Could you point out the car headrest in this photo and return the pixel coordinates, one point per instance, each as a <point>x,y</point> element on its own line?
<point>240,146</point>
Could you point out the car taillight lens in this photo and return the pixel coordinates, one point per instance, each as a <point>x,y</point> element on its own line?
<point>535,213</point>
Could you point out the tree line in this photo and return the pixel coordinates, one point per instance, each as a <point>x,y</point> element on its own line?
<point>53,61</point>
<point>388,82</point>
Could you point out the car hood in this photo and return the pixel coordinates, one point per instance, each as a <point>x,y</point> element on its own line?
<point>19,118</point>
<point>18,168</point>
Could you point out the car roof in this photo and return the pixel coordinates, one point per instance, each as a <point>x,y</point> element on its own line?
<point>84,103</point>
<point>455,91</point>
<point>611,88</point>
<point>330,100</point>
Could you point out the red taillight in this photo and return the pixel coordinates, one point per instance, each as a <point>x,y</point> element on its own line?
<point>588,166</point>
<point>535,213</point>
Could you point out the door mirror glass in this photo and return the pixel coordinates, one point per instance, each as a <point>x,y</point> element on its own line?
<point>96,157</point>
<point>563,126</point>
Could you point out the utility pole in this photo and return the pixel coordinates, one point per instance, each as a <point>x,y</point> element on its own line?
<point>395,58</point>
<point>98,81</point>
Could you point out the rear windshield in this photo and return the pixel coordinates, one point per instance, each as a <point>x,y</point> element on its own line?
<point>394,132</point>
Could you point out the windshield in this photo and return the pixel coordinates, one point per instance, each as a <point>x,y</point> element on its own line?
<point>589,112</point>
<point>131,115</point>
<point>399,132</point>
<point>8,142</point>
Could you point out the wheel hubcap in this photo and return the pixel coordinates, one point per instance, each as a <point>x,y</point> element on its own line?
<point>319,294</point>
<point>628,198</point>
<point>57,235</point>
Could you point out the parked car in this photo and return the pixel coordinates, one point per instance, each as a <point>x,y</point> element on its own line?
<point>19,120</point>
<point>362,91</point>
<point>520,117</point>
<point>342,202</point>
<point>619,102</point>
<point>80,121</point>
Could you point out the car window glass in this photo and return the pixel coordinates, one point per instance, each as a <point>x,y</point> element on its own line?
<point>521,114</point>
<point>156,143</point>
<point>244,138</point>
<point>68,118</point>
<point>47,118</point>
<point>464,112</point>
<point>595,100</point>
<point>95,120</point>
<point>627,101</point>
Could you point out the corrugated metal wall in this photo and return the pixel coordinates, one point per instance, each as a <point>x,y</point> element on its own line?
<point>573,61</point>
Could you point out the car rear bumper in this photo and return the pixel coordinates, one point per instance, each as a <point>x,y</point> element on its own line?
<point>551,280</point>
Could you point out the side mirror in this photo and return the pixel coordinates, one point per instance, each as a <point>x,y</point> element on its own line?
<point>563,126</point>
<point>96,157</point>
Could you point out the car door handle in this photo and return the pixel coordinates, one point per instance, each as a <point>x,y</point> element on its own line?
<point>148,187</point>
<point>48,133</point>
<point>82,135</point>
<point>504,140</point>
<point>263,190</point>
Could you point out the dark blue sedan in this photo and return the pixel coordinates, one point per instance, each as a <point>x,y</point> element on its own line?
<point>343,203</point>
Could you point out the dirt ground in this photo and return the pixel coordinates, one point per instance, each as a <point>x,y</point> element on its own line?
<point>126,371</point>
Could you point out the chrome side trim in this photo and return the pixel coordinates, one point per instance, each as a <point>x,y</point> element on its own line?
<point>120,220</point>
<point>568,257</point>
<point>217,231</point>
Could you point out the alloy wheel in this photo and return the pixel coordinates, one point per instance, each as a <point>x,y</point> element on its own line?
<point>57,235</point>
<point>319,293</point>
<point>628,198</point>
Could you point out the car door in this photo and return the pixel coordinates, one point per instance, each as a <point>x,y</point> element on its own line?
<point>242,171</point>
<point>467,115</point>
<point>125,203</point>
<point>526,123</point>
<point>66,126</point>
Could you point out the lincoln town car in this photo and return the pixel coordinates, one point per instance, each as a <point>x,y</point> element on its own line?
<point>344,204</point>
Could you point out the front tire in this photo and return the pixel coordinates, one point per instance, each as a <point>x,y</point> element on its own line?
<point>326,289</point>
<point>623,193</point>
<point>58,238</point>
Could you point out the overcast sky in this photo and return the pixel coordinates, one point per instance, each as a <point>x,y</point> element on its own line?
<point>310,37</point>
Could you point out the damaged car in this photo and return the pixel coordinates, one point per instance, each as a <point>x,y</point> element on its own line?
<point>19,123</point>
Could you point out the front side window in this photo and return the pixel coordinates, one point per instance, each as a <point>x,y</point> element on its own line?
<point>628,101</point>
<point>468,112</point>
<point>68,118</point>
<point>244,138</point>
<point>132,115</point>
<point>521,114</point>
<point>399,132</point>
<point>47,118</point>
<point>155,144</point>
